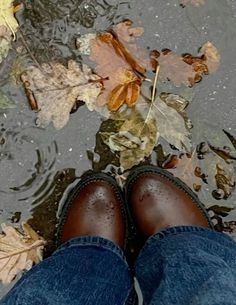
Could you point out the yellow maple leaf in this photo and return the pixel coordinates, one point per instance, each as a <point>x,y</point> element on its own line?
<point>7,17</point>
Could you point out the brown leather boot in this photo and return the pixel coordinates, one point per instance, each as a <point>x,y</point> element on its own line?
<point>94,208</point>
<point>158,200</point>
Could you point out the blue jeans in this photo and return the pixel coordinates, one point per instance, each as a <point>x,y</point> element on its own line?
<point>181,265</point>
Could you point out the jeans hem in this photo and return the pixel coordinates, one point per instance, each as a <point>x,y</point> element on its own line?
<point>93,241</point>
<point>173,231</point>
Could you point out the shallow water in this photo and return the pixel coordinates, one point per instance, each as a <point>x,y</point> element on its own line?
<point>39,166</point>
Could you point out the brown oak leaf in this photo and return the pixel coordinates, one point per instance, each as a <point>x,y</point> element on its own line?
<point>54,89</point>
<point>186,69</point>
<point>121,72</point>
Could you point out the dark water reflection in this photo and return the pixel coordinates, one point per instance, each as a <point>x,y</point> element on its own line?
<point>37,166</point>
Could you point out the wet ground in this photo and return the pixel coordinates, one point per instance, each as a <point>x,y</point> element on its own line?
<point>39,166</point>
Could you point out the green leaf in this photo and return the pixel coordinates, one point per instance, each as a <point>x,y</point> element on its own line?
<point>6,102</point>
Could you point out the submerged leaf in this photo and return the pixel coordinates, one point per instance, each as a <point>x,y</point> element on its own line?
<point>4,48</point>
<point>54,89</point>
<point>218,140</point>
<point>220,175</point>
<point>185,167</point>
<point>6,102</point>
<point>18,251</point>
<point>224,182</point>
<point>134,141</point>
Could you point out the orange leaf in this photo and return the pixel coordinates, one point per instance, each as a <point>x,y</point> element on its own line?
<point>133,92</point>
<point>117,66</point>
<point>117,97</point>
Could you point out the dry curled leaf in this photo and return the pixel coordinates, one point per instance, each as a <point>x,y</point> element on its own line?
<point>54,89</point>
<point>186,69</point>
<point>121,72</point>
<point>211,55</point>
<point>18,251</point>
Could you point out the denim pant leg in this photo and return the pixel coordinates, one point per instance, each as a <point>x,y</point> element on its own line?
<point>188,266</point>
<point>83,271</point>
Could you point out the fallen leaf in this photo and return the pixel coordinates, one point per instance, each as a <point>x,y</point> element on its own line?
<point>122,78</point>
<point>4,48</point>
<point>219,174</point>
<point>185,167</point>
<point>5,101</point>
<point>178,103</point>
<point>186,69</point>
<point>54,89</point>
<point>7,18</point>
<point>134,141</point>
<point>224,181</point>
<point>18,251</point>
<point>212,56</point>
<point>8,27</point>
<point>183,3</point>
<point>83,43</point>
<point>173,68</point>
<point>218,140</point>
<point>171,126</point>
<point>128,35</point>
<point>222,211</point>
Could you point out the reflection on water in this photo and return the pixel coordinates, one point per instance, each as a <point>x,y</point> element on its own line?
<point>50,27</point>
<point>36,165</point>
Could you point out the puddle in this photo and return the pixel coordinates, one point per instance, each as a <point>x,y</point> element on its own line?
<point>37,165</point>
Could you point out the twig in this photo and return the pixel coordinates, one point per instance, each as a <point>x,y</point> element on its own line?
<point>148,80</point>
<point>153,93</point>
<point>28,50</point>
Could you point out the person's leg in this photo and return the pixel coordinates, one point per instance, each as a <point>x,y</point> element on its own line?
<point>183,261</point>
<point>89,268</point>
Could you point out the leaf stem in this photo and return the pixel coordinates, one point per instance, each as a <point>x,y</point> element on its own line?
<point>153,93</point>
<point>155,83</point>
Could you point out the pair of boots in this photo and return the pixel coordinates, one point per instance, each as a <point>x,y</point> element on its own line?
<point>155,199</point>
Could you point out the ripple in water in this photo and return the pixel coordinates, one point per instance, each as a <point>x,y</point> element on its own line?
<point>27,164</point>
